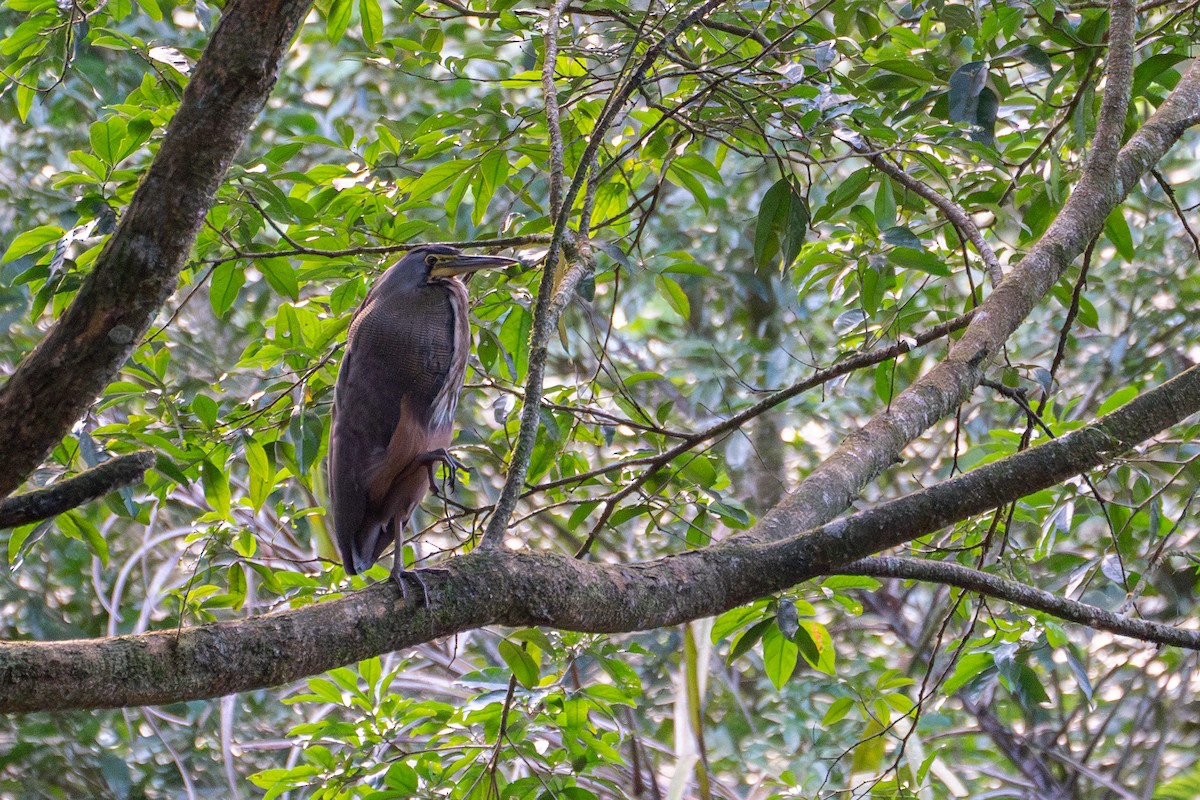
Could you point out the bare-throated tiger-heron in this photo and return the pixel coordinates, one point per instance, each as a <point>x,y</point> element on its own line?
<point>394,403</point>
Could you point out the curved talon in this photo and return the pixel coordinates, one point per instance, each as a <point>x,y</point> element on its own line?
<point>452,464</point>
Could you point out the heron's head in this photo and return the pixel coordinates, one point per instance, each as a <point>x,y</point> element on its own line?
<point>435,262</point>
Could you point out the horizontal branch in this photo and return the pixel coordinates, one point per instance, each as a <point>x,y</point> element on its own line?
<point>496,586</point>
<point>1021,594</point>
<point>73,492</point>
<point>380,249</point>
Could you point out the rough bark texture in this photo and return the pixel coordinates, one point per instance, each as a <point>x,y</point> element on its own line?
<point>498,587</point>
<point>140,265</point>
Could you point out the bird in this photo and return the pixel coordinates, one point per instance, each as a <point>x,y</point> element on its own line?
<point>395,398</point>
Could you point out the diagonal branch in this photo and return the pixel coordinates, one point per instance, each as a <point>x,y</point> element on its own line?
<point>974,580</point>
<point>654,463</point>
<point>73,492</point>
<point>1106,180</point>
<point>499,587</point>
<point>140,265</point>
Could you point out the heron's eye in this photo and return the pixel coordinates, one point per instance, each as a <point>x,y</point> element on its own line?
<point>431,261</point>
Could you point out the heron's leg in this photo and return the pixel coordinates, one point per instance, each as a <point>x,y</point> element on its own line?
<point>399,573</point>
<point>398,559</point>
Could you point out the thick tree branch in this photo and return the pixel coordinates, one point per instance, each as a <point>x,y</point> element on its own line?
<point>139,266</point>
<point>830,488</point>
<point>73,492</point>
<point>543,321</point>
<point>495,586</point>
<point>974,580</point>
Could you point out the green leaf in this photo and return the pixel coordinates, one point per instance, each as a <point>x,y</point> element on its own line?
<point>107,137</point>
<point>908,68</point>
<point>1033,55</point>
<point>514,338</point>
<point>869,752</point>
<point>437,179</point>
<point>372,21</point>
<point>821,655</point>
<point>967,668</point>
<point>681,176</point>
<point>847,191</point>
<point>216,487</point>
<point>25,95</point>
<point>337,19</point>
<point>402,778</point>
<point>901,236</point>
<point>523,667</point>
<point>908,258</point>
<point>345,296</point>
<point>262,474</point>
<point>747,639</point>
<point>491,171</point>
<point>226,282</point>
<point>79,527</point>
<point>32,240</point>
<point>674,294</point>
<point>1117,230</point>
<point>958,17</point>
<point>780,655</point>
<point>205,409</point>
<point>1117,399</point>
<point>966,84</point>
<point>837,710</point>
<point>18,538</point>
<point>280,274</point>
<point>782,224</point>
<point>986,111</point>
<point>885,383</point>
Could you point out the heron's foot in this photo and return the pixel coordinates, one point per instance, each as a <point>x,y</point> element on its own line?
<point>452,464</point>
<point>400,575</point>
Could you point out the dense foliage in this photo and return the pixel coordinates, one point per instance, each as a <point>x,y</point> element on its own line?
<point>744,235</point>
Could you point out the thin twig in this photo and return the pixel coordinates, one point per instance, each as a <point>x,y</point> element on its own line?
<point>550,96</point>
<point>956,214</point>
<point>973,580</point>
<point>851,364</point>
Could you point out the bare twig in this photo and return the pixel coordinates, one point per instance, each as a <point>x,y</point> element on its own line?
<point>974,580</point>
<point>385,249</point>
<point>655,463</point>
